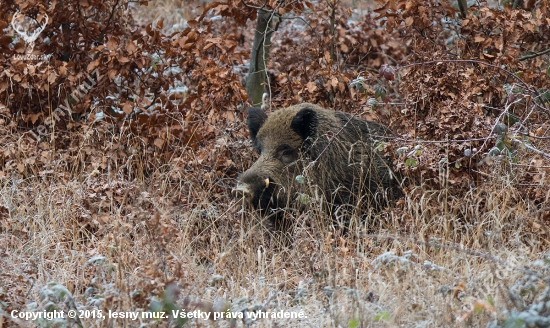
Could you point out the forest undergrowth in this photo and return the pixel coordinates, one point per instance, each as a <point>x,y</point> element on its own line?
<point>123,203</point>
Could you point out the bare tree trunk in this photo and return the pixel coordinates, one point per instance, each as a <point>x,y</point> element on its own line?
<point>463,6</point>
<point>257,74</point>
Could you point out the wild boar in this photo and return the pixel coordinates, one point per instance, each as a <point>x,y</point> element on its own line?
<point>336,153</point>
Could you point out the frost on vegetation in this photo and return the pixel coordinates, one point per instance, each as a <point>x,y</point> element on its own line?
<point>429,266</point>
<point>303,199</point>
<point>100,261</point>
<point>215,279</point>
<point>211,212</point>
<point>100,115</point>
<point>53,297</point>
<point>389,259</point>
<point>300,179</point>
<point>94,299</point>
<point>360,84</point>
<point>299,296</point>
<point>96,260</point>
<point>531,298</point>
<point>248,319</point>
<point>99,284</point>
<point>179,90</point>
<point>44,322</point>
<point>402,150</point>
<point>371,103</point>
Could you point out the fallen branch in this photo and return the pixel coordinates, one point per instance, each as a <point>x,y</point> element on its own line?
<point>530,147</point>
<point>536,54</point>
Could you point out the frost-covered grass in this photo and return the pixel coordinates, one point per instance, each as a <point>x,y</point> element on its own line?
<point>174,240</point>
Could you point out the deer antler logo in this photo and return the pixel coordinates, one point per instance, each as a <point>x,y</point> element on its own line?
<point>22,25</point>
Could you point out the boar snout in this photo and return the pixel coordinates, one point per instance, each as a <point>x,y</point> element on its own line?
<point>250,186</point>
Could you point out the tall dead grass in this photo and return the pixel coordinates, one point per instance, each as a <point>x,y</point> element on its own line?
<point>116,239</point>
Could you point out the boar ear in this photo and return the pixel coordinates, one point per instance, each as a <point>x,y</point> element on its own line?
<point>256,118</point>
<point>304,122</point>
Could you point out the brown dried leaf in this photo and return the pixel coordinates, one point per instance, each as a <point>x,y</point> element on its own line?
<point>344,48</point>
<point>52,76</point>
<point>5,40</point>
<point>128,107</point>
<point>311,86</point>
<point>34,117</point>
<point>159,142</point>
<point>112,44</point>
<point>62,70</point>
<point>130,47</point>
<point>93,65</point>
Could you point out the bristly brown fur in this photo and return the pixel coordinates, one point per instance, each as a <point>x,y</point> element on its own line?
<point>334,150</point>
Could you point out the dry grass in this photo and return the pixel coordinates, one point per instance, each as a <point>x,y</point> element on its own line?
<point>116,239</point>
<point>174,14</point>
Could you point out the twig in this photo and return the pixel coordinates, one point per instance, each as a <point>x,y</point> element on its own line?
<point>311,164</point>
<point>332,7</point>
<point>102,35</point>
<point>435,141</point>
<point>462,250</point>
<point>530,147</point>
<point>508,106</point>
<point>536,54</point>
<point>251,6</point>
<point>534,137</point>
<point>527,86</point>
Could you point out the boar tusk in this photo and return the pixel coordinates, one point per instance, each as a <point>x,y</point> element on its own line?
<point>241,188</point>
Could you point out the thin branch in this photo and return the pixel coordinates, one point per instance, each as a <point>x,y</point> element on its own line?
<point>536,54</point>
<point>303,20</point>
<point>332,7</point>
<point>527,86</point>
<point>530,147</point>
<point>434,141</point>
<point>464,140</point>
<point>534,137</point>
<point>459,248</point>
<point>102,35</point>
<point>251,6</point>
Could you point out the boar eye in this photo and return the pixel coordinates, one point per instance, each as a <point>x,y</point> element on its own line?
<point>287,156</point>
